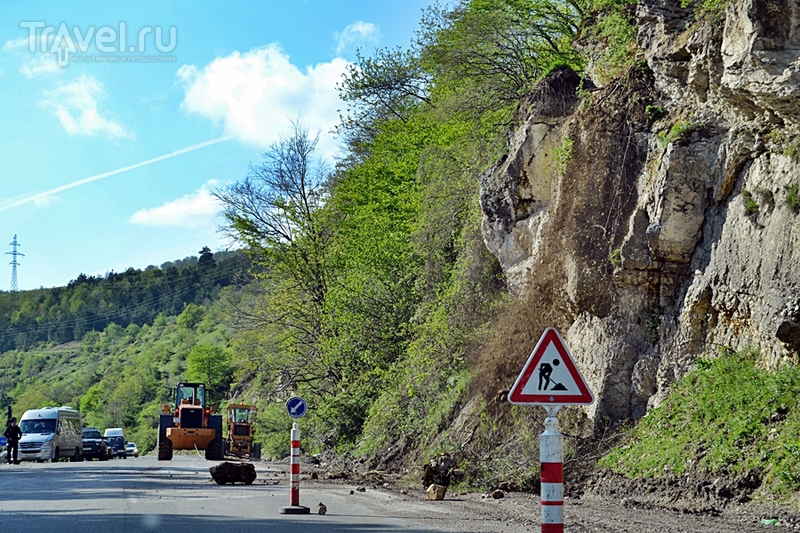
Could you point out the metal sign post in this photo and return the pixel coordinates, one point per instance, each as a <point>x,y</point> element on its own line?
<point>297,408</point>
<point>551,379</point>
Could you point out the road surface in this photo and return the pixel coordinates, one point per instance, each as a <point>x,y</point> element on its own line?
<point>179,496</point>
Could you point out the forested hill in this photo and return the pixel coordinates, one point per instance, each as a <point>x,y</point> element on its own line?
<point>89,303</point>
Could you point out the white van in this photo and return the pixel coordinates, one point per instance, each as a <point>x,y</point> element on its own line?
<point>50,433</point>
<point>116,440</point>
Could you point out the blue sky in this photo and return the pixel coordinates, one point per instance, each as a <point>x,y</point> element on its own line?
<point>108,157</point>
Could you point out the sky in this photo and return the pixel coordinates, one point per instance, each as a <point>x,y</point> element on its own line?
<point>119,121</point>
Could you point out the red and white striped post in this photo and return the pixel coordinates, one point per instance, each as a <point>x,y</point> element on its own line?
<point>551,457</point>
<point>294,468</point>
<point>294,473</point>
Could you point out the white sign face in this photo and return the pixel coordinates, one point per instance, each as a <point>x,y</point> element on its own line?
<point>550,376</point>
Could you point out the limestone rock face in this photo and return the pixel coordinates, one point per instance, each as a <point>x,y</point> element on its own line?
<point>517,196</point>
<point>660,239</point>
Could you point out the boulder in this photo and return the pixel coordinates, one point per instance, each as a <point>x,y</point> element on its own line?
<point>436,492</point>
<point>233,473</point>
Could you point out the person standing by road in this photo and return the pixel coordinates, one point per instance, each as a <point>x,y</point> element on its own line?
<point>13,434</point>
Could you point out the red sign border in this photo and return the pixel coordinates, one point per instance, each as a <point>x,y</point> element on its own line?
<point>516,396</point>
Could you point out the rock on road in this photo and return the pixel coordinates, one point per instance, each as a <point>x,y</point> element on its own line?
<point>143,494</point>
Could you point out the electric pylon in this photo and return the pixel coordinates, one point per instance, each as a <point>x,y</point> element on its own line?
<point>14,263</point>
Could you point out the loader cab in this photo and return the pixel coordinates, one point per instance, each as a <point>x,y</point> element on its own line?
<point>190,403</point>
<point>240,430</point>
<point>190,394</point>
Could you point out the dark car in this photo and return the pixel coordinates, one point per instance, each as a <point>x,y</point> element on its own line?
<point>94,445</point>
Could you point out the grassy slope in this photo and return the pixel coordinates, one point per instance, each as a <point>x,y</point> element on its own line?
<point>728,416</point>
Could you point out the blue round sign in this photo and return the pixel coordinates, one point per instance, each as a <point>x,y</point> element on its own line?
<point>3,441</point>
<point>296,406</point>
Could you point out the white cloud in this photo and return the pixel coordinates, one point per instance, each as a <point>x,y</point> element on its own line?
<point>359,32</point>
<point>193,211</point>
<point>47,201</point>
<point>35,62</point>
<point>255,95</point>
<point>41,65</point>
<point>75,105</point>
<point>18,44</point>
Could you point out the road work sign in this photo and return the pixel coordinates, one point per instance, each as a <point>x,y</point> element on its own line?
<point>550,376</point>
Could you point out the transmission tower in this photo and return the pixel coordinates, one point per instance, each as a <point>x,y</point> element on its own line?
<point>14,263</point>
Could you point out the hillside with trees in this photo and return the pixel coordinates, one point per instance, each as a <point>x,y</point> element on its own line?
<point>114,346</point>
<point>90,303</point>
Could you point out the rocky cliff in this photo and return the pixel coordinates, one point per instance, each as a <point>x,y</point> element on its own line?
<point>654,218</point>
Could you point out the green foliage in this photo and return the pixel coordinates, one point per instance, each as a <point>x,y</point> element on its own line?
<point>562,155</point>
<point>65,314</point>
<point>654,112</point>
<point>615,257</point>
<point>493,52</point>
<point>728,415</point>
<point>274,428</point>
<point>678,132</point>
<point>613,36</point>
<point>792,149</point>
<point>793,195</point>
<point>750,204</point>
<point>191,316</point>
<point>211,365</point>
<point>653,324</point>
<point>707,9</point>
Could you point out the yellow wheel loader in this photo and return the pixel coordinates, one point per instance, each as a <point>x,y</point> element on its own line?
<point>190,424</point>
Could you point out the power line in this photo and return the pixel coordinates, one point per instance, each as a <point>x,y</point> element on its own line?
<point>225,269</point>
<point>14,263</point>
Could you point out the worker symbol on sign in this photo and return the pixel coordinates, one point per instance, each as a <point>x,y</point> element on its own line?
<point>559,382</point>
<point>545,371</point>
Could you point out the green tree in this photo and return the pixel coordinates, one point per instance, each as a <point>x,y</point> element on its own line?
<point>492,52</point>
<point>191,316</point>
<point>277,213</point>
<point>211,365</point>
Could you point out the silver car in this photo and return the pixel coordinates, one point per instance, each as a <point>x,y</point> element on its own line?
<point>132,449</point>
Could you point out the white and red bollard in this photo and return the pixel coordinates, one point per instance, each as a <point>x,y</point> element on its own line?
<point>551,457</point>
<point>294,474</point>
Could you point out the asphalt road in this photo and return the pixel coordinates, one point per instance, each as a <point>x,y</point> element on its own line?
<point>179,496</point>
<point>143,494</point>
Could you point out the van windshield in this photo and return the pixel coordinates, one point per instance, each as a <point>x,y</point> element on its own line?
<point>47,425</point>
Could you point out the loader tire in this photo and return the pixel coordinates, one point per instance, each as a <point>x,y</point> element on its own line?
<point>165,450</point>
<point>214,451</point>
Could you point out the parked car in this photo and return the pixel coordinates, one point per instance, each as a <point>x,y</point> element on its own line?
<point>95,446</point>
<point>132,449</point>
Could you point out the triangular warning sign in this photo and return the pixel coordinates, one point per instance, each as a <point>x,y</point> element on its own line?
<point>550,376</point>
